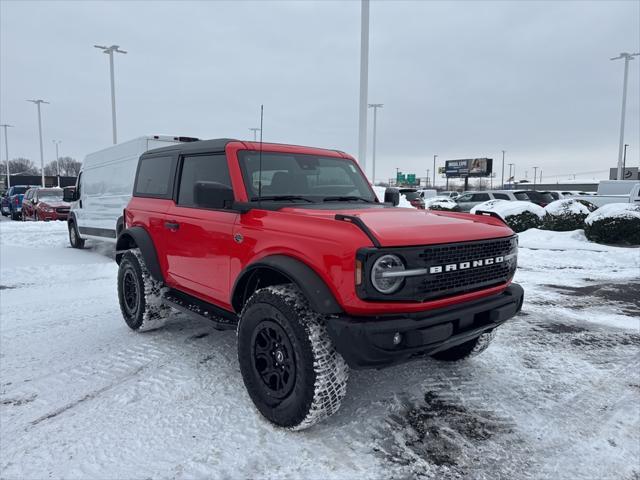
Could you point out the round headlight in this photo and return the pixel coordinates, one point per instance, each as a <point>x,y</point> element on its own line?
<point>382,276</point>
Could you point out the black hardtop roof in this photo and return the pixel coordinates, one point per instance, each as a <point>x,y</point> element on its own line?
<point>205,146</point>
<point>201,146</point>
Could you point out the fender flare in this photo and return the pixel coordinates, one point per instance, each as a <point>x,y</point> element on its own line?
<point>307,280</point>
<point>138,237</point>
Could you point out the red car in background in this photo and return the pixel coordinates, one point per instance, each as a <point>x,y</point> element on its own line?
<point>44,204</point>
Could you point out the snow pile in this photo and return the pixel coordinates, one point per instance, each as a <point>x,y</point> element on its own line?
<point>614,210</point>
<point>379,191</point>
<point>565,215</point>
<point>614,223</point>
<point>520,216</point>
<point>441,203</point>
<point>506,208</point>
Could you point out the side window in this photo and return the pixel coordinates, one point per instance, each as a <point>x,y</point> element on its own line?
<point>480,197</point>
<point>154,177</point>
<point>501,196</point>
<point>201,168</point>
<point>465,198</point>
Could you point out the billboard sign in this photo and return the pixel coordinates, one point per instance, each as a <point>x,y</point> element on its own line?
<point>469,167</point>
<point>629,173</point>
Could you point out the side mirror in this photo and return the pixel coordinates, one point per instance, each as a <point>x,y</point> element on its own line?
<point>392,196</point>
<point>213,195</point>
<point>69,194</point>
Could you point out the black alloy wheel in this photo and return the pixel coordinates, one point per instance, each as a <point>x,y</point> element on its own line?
<point>273,358</point>
<point>130,292</point>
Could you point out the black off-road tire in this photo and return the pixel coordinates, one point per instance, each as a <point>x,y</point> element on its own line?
<point>468,349</point>
<point>140,296</point>
<point>74,237</point>
<point>16,216</point>
<point>315,379</point>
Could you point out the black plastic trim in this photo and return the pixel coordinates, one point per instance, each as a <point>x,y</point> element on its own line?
<point>312,286</point>
<point>486,213</point>
<point>98,232</point>
<point>194,307</point>
<point>357,221</point>
<point>367,342</point>
<point>142,240</point>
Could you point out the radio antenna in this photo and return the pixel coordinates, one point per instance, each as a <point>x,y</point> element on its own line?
<point>260,158</point>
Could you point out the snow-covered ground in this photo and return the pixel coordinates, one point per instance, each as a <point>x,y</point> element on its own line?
<point>81,396</point>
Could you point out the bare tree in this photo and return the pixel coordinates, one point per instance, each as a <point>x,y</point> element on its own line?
<point>69,167</point>
<point>19,165</point>
<point>51,169</point>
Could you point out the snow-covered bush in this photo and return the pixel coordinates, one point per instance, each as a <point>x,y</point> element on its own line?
<point>441,203</point>
<point>564,215</point>
<point>617,223</point>
<point>520,216</point>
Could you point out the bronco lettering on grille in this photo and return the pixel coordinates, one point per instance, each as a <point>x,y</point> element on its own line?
<point>452,267</point>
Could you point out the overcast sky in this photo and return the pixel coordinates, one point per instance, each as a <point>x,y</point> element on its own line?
<point>457,79</point>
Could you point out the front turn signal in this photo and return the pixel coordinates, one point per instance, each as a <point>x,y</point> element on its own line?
<point>358,272</point>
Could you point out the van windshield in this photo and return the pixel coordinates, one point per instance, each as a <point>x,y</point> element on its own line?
<point>310,178</point>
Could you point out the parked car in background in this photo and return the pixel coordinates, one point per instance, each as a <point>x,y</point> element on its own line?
<point>539,198</point>
<point>4,204</point>
<point>449,194</point>
<point>426,193</point>
<point>104,188</point>
<point>413,197</point>
<point>44,204</point>
<point>14,201</point>
<point>468,200</point>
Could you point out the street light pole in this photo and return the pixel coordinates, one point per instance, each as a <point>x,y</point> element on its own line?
<point>56,143</point>
<point>511,177</point>
<point>627,57</point>
<point>38,102</point>
<point>375,107</point>
<point>364,84</point>
<point>255,132</point>
<point>434,171</point>
<point>624,157</point>
<point>109,51</point>
<point>6,152</point>
<point>503,169</point>
<point>535,175</point>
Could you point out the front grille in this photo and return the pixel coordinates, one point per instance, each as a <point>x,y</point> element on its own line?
<point>441,284</point>
<point>62,210</point>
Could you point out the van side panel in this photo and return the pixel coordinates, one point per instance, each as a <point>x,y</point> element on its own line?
<point>107,185</point>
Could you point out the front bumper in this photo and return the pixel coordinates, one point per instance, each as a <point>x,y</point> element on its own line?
<point>366,342</point>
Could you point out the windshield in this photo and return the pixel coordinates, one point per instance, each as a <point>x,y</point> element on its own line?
<point>293,177</point>
<point>19,190</point>
<point>50,194</point>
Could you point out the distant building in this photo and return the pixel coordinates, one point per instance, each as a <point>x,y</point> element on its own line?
<point>49,181</point>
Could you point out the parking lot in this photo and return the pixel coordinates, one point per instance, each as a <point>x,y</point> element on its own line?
<point>557,395</point>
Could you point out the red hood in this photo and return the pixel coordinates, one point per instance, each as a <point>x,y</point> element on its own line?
<point>395,227</point>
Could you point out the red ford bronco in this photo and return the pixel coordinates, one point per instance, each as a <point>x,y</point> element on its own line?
<point>289,246</point>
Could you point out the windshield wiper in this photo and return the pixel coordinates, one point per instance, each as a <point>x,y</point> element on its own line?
<point>346,198</point>
<point>281,197</point>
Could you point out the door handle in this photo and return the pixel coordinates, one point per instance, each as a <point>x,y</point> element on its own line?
<point>171,225</point>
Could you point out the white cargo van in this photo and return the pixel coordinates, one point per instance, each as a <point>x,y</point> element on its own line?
<point>104,187</point>
<point>614,191</point>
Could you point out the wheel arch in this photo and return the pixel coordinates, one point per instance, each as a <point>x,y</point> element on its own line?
<point>138,237</point>
<point>278,269</point>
